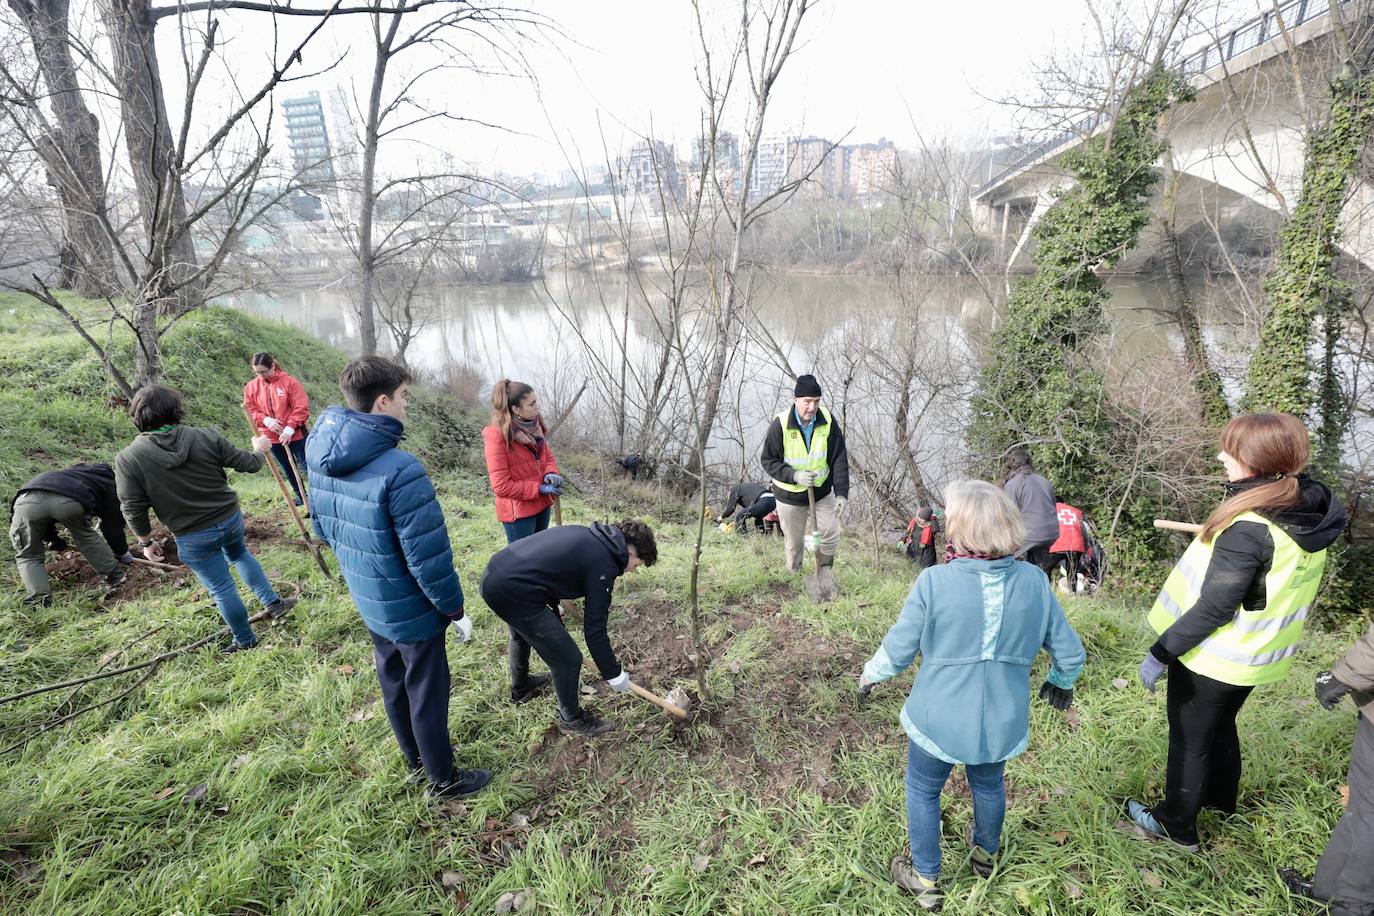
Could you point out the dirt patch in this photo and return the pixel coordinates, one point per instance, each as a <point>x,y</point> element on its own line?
<point>768,737</point>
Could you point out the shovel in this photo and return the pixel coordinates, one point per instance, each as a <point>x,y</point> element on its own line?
<point>820,585</point>
<point>311,544</point>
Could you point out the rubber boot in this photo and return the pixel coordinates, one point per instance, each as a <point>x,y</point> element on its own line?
<point>825,574</point>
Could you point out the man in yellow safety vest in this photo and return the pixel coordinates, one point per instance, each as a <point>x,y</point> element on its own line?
<point>804,449</point>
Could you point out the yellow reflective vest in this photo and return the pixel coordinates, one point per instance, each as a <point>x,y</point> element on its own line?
<point>1256,647</point>
<point>794,449</point>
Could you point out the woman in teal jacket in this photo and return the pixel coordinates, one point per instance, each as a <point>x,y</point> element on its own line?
<point>978,622</point>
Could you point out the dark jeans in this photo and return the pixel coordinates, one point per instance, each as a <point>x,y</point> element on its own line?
<point>757,511</point>
<point>297,452</point>
<point>1204,751</point>
<point>1345,873</point>
<point>524,527</point>
<point>540,628</point>
<point>1039,555</point>
<point>415,687</point>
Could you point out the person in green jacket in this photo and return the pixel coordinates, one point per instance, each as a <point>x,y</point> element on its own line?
<point>178,472</point>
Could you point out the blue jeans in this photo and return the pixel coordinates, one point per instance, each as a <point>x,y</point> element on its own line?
<point>925,777</point>
<point>208,552</point>
<point>524,527</point>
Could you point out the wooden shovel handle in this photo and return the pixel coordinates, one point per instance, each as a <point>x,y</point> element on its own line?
<point>1186,527</point>
<point>643,693</point>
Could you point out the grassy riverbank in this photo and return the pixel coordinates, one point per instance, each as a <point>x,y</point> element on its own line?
<point>781,797</point>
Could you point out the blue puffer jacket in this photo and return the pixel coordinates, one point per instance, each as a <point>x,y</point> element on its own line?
<point>375,506</point>
<point>978,625</point>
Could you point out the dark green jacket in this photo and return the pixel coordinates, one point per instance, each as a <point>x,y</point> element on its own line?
<point>179,474</point>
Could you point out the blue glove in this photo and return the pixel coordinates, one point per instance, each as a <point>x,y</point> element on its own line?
<point>554,479</point>
<point>549,489</point>
<point>1151,670</point>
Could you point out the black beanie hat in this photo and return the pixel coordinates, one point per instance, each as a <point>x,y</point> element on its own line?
<point>807,387</point>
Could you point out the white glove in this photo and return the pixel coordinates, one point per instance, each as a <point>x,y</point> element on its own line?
<point>272,423</point>
<point>804,478</point>
<point>464,627</point>
<point>262,444</point>
<point>620,683</point>
<point>841,505</point>
<point>812,542</point>
<point>286,433</point>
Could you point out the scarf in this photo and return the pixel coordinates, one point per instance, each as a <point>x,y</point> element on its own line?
<point>954,553</point>
<point>528,432</point>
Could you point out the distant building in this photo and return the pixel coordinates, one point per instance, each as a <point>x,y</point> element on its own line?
<point>770,165</point>
<point>822,164</point>
<point>871,167</point>
<point>308,137</point>
<point>651,166</point>
<point>727,151</point>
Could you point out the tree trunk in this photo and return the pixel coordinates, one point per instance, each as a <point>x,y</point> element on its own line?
<point>367,255</point>
<point>152,151</point>
<point>147,345</point>
<point>901,423</point>
<point>71,152</point>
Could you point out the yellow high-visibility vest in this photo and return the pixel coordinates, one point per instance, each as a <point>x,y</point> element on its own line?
<point>1256,647</point>
<point>795,454</point>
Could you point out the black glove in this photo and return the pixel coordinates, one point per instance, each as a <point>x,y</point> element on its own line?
<point>1330,690</point>
<point>864,691</point>
<point>1057,697</point>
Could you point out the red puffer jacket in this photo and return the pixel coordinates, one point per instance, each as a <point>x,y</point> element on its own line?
<point>516,474</point>
<point>282,398</point>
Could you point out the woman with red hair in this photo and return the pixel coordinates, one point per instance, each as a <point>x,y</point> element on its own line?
<point>1231,614</point>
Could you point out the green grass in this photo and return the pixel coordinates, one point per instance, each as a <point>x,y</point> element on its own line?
<point>781,797</point>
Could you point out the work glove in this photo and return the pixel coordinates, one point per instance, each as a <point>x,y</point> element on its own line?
<point>272,423</point>
<point>804,478</point>
<point>1151,670</point>
<point>1056,696</point>
<point>1330,690</point>
<point>555,480</point>
<point>286,433</point>
<point>865,688</point>
<point>262,444</point>
<point>812,542</point>
<point>841,506</point>
<point>549,489</point>
<point>463,626</point>
<point>126,558</point>
<point>620,683</point>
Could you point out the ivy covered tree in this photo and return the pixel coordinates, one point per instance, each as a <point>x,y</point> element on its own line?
<point>1040,385</point>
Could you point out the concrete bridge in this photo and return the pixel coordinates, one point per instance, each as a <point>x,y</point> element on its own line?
<point>1237,149</point>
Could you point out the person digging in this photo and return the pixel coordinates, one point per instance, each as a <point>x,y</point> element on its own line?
<point>523,585</point>
<point>804,454</point>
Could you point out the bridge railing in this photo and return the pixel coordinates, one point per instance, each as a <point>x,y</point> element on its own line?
<point>1245,37</point>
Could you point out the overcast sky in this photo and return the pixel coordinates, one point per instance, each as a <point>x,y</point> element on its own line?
<point>868,68</point>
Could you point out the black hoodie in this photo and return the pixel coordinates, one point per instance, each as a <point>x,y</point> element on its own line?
<point>570,561</point>
<point>1241,556</point>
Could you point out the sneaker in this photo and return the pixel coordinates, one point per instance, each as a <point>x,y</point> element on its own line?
<point>927,890</point>
<point>585,725</point>
<point>982,861</point>
<point>279,607</point>
<point>239,647</point>
<point>37,600</point>
<point>463,784</point>
<point>534,684</point>
<point>116,578</point>
<point>1144,825</point>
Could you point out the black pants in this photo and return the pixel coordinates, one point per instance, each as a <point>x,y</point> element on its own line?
<point>539,627</point>
<point>757,511</point>
<point>415,687</point>
<point>297,452</point>
<point>1204,751</point>
<point>1069,560</point>
<point>1039,555</point>
<point>1345,873</point>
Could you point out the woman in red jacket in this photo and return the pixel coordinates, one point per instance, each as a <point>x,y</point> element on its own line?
<point>524,477</point>
<point>278,406</point>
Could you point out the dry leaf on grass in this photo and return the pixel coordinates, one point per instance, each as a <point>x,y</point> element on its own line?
<point>345,669</point>
<point>1345,796</point>
<point>166,793</point>
<point>1151,878</point>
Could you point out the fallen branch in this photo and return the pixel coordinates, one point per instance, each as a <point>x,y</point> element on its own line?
<point>163,567</point>
<point>62,720</point>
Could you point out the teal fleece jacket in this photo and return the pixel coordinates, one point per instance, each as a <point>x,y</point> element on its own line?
<point>978,625</point>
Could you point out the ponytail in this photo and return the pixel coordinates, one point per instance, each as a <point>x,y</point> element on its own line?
<point>504,397</point>
<point>1271,445</point>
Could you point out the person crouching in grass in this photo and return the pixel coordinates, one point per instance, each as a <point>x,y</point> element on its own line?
<point>978,621</point>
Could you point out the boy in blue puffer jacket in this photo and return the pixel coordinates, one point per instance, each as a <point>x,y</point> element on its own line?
<point>376,508</point>
<point>978,622</point>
